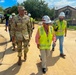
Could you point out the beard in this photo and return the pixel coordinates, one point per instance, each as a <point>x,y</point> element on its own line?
<point>61,19</point>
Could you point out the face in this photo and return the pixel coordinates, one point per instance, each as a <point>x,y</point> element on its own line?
<point>21,11</point>
<point>13,16</point>
<point>25,12</point>
<point>46,25</point>
<point>61,18</point>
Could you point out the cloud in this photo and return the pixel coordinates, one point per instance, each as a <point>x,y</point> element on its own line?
<point>57,3</point>
<point>60,3</point>
<point>64,3</point>
<point>1,1</point>
<point>20,1</point>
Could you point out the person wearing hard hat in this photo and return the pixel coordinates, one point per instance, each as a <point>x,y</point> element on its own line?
<point>29,14</point>
<point>31,23</point>
<point>60,31</point>
<point>13,14</point>
<point>44,37</point>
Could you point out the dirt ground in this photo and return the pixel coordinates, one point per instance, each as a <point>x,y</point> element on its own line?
<point>32,66</point>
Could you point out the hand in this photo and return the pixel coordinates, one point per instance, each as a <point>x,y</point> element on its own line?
<point>13,38</point>
<point>38,45</point>
<point>29,37</point>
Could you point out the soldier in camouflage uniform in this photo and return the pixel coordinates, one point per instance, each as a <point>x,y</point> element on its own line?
<point>11,30</point>
<point>22,31</point>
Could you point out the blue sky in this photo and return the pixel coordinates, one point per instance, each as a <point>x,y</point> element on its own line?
<point>51,3</point>
<point>7,3</point>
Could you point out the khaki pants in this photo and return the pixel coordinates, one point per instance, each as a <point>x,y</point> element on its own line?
<point>19,47</point>
<point>44,55</point>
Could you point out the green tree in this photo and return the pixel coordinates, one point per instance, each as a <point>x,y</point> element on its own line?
<point>1,9</point>
<point>14,10</point>
<point>37,8</point>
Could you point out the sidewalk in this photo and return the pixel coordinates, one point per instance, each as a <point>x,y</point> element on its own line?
<point>32,66</point>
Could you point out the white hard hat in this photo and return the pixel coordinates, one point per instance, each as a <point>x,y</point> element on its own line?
<point>13,14</point>
<point>29,14</point>
<point>46,19</point>
<point>62,14</point>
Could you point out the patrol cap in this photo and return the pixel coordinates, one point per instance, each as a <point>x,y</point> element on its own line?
<point>46,19</point>
<point>62,14</point>
<point>21,8</point>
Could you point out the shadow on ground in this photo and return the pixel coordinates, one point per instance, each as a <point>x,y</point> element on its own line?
<point>13,70</point>
<point>50,62</point>
<point>4,43</point>
<point>7,51</point>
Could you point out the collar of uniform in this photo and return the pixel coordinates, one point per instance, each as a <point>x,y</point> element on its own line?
<point>20,16</point>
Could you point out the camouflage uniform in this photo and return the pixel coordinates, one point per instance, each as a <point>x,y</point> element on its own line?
<point>12,31</point>
<point>22,31</point>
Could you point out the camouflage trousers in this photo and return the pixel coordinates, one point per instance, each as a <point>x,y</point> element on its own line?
<point>19,47</point>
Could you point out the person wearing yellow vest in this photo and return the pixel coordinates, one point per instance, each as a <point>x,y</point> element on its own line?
<point>44,38</point>
<point>31,20</point>
<point>60,31</point>
<point>31,23</point>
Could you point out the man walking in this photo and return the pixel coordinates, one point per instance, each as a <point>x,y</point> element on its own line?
<point>60,31</point>
<point>22,30</point>
<point>44,37</point>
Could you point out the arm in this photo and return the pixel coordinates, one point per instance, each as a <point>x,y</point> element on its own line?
<point>9,24</point>
<point>12,29</point>
<point>66,30</point>
<point>54,38</point>
<point>37,37</point>
<point>29,29</point>
<point>6,26</point>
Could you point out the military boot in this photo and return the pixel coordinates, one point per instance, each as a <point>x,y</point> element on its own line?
<point>25,56</point>
<point>13,47</point>
<point>19,61</point>
<point>52,49</point>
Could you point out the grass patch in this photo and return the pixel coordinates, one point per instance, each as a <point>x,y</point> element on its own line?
<point>72,27</point>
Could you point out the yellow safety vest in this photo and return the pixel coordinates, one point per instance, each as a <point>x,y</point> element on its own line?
<point>45,40</point>
<point>61,28</point>
<point>31,19</point>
